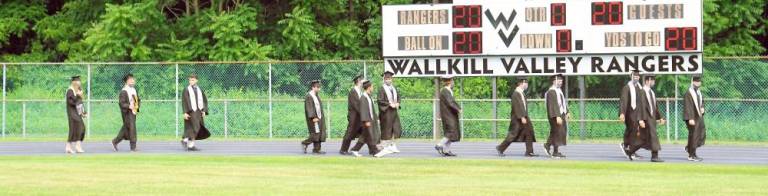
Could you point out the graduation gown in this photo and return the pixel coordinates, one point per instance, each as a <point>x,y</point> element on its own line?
<point>368,114</point>
<point>649,138</point>
<point>353,115</point>
<point>640,113</point>
<point>194,128</point>
<point>557,133</point>
<point>519,132</point>
<point>389,116</point>
<point>631,116</point>
<point>75,117</point>
<point>697,134</point>
<point>128,131</point>
<point>449,113</point>
<point>310,113</point>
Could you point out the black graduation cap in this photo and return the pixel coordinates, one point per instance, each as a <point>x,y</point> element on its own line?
<point>387,74</point>
<point>649,77</point>
<point>697,78</point>
<point>75,78</point>
<point>366,84</point>
<point>125,78</point>
<point>522,79</point>
<point>635,72</point>
<point>357,78</point>
<point>313,82</point>
<point>446,77</point>
<point>556,76</point>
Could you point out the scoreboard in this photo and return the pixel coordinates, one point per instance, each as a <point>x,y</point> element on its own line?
<point>543,37</point>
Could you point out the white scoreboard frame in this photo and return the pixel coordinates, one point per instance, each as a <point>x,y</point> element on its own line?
<point>594,57</point>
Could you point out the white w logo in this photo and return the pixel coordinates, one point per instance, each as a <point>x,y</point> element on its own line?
<point>507,21</point>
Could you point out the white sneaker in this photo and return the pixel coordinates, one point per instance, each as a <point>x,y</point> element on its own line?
<point>357,154</point>
<point>79,147</point>
<point>394,149</point>
<point>386,151</point>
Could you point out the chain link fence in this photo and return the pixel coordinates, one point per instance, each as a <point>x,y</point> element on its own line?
<point>264,99</point>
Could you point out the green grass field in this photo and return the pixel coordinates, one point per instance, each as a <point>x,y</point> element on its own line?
<point>241,175</point>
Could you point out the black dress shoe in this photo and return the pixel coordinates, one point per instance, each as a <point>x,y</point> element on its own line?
<point>450,154</point>
<point>183,144</point>
<point>304,148</point>
<point>114,146</point>
<point>656,159</point>
<point>624,150</point>
<point>318,152</point>
<point>439,150</point>
<point>546,149</point>
<point>530,154</point>
<point>630,156</point>
<point>499,152</point>
<point>558,155</point>
<point>693,158</point>
<point>194,148</point>
<point>343,152</point>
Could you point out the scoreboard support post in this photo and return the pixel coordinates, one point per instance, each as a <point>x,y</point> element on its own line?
<point>436,131</point>
<point>461,104</point>
<point>495,107</point>
<point>677,111</point>
<point>582,95</point>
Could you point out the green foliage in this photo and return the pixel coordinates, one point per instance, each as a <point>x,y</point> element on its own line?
<point>730,27</point>
<point>229,30</point>
<point>243,30</point>
<point>124,33</point>
<point>299,34</point>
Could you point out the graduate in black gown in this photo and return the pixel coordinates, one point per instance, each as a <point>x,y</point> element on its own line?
<point>354,129</point>
<point>129,103</point>
<point>647,137</point>
<point>389,115</point>
<point>195,106</point>
<point>449,115</point>
<point>629,111</point>
<point>315,118</point>
<point>520,126</point>
<point>369,120</point>
<point>557,114</point>
<point>75,114</point>
<point>693,114</point>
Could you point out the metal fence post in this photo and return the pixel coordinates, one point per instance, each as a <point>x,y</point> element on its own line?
<point>88,120</point>
<point>461,104</point>
<point>365,70</point>
<point>667,129</point>
<point>176,102</point>
<point>435,110</point>
<point>676,110</point>
<point>494,95</point>
<point>4,78</point>
<point>582,108</point>
<point>226,133</point>
<point>24,119</point>
<point>270,100</point>
<point>328,118</point>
